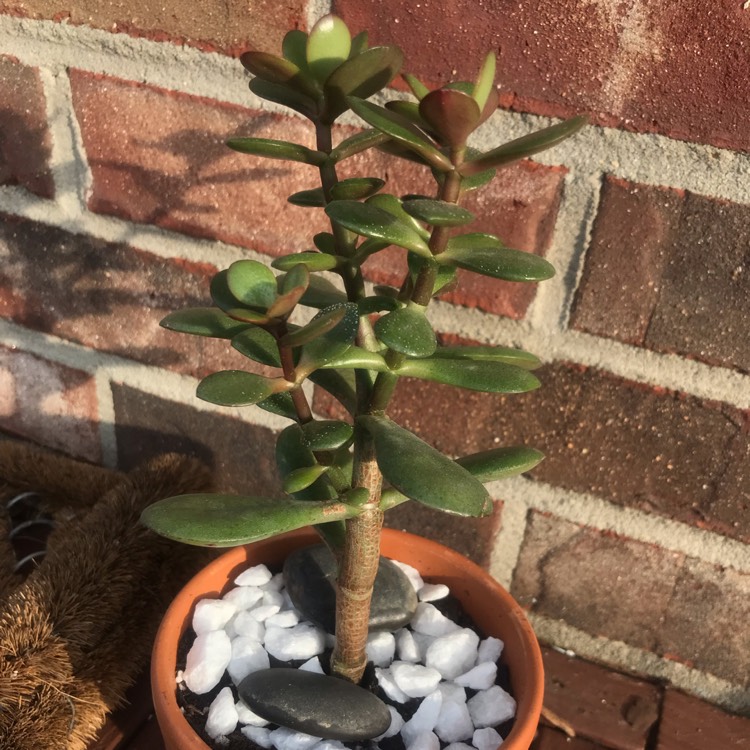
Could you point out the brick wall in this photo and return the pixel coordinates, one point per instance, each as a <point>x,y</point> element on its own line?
<point>118,201</point>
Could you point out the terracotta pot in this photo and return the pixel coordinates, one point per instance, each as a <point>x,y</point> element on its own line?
<point>485,601</point>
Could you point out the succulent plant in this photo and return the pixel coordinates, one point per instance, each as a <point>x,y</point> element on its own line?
<point>342,475</point>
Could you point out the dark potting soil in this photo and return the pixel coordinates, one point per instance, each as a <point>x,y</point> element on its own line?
<point>195,707</point>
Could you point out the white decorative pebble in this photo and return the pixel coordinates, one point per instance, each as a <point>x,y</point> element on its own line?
<point>312,665</point>
<point>248,656</point>
<point>424,718</point>
<point>415,680</point>
<point>431,592</point>
<point>458,746</point>
<point>412,574</point>
<point>329,745</point>
<point>454,723</point>
<point>246,716</point>
<point>264,611</point>
<point>179,678</point>
<point>481,677</point>
<point>286,619</point>
<point>491,707</point>
<point>423,642</point>
<point>452,692</point>
<point>397,722</point>
<point>244,597</point>
<point>212,614</point>
<point>245,624</point>
<point>381,646</point>
<point>490,650</point>
<point>425,741</point>
<point>300,642</point>
<point>276,583</point>
<point>429,620</point>
<point>453,654</point>
<point>273,597</point>
<point>406,646</point>
<point>259,735</point>
<point>486,739</point>
<point>290,739</point>
<point>393,691</point>
<point>207,660</point>
<point>222,714</point>
<point>255,576</point>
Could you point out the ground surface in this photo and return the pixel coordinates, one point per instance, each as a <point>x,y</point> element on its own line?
<point>605,710</point>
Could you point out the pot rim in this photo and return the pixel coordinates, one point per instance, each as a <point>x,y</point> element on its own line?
<point>475,581</point>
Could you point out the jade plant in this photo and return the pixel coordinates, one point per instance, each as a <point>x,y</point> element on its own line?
<point>341,476</point>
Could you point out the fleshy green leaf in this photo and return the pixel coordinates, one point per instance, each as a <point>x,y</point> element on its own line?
<point>339,384</point>
<point>323,322</point>
<point>357,143</point>
<point>333,343</point>
<point>322,293</point>
<point>281,404</point>
<point>402,130</point>
<point>445,274</point>
<point>359,44</point>
<point>485,80</point>
<point>259,345</point>
<point>301,479</point>
<point>475,375</point>
<point>292,453</point>
<point>239,388</point>
<point>357,357</point>
<point>297,276</point>
<point>285,303</point>
<point>294,48</point>
<point>438,213</point>
<point>203,321</point>
<point>409,110</point>
<point>392,205</point>
<point>279,71</point>
<point>276,92</point>
<point>516,357</point>
<point>376,303</point>
<point>313,198</point>
<point>230,520</point>
<point>360,76</point>
<point>328,46</point>
<point>313,261</point>
<point>325,242</point>
<point>484,254</point>
<point>326,435</point>
<point>368,248</point>
<point>252,283</point>
<point>356,188</point>
<point>417,87</point>
<point>422,473</point>
<point>452,114</point>
<point>370,221</point>
<point>523,147</point>
<point>274,149</point>
<point>499,463</point>
<point>407,331</point>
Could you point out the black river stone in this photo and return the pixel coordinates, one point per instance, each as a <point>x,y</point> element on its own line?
<point>316,704</point>
<point>310,576</point>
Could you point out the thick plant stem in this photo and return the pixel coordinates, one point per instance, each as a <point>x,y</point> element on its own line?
<point>358,567</point>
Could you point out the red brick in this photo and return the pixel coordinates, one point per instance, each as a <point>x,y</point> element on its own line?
<point>550,739</point>
<point>673,280</point>
<point>657,451</point>
<point>106,296</point>
<point>49,403</point>
<point>24,137</point>
<point>241,455</point>
<point>598,704</point>
<point>638,593</point>
<point>228,25</point>
<point>690,724</point>
<point>174,171</point>
<point>622,64</point>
